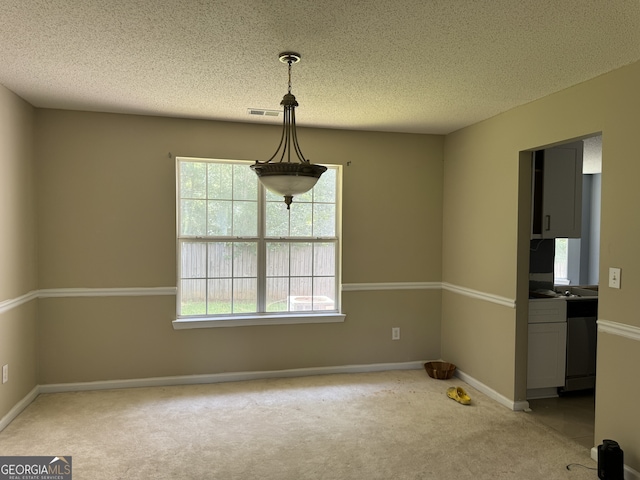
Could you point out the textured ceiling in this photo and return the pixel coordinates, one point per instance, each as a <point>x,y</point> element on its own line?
<point>428,66</point>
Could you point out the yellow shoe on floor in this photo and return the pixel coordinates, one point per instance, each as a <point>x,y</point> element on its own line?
<point>459,395</point>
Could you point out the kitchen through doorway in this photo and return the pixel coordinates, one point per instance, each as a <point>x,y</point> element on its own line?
<point>563,286</point>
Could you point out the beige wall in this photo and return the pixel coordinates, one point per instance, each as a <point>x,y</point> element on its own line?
<point>93,339</point>
<point>18,255</point>
<point>617,394</point>
<point>486,246</point>
<point>107,219</point>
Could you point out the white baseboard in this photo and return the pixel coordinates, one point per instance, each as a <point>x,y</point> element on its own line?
<point>240,376</point>
<point>629,473</point>
<point>198,379</point>
<point>19,407</point>
<point>225,377</point>
<point>491,393</point>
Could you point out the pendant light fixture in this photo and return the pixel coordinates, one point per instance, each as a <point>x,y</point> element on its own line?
<point>280,174</point>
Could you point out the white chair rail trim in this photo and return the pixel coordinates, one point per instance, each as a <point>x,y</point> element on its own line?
<point>7,305</point>
<point>488,297</point>
<point>12,303</point>
<point>107,292</point>
<point>363,287</point>
<point>620,329</point>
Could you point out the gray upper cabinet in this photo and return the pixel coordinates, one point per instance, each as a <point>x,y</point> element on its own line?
<point>557,192</point>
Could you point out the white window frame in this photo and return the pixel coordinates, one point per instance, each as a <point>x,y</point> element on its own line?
<point>275,318</point>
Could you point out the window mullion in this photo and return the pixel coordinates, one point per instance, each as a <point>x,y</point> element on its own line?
<point>262,249</point>
<point>206,277</point>
<point>206,231</point>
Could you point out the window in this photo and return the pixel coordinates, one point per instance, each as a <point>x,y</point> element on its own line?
<point>561,262</point>
<point>242,253</point>
<point>571,262</point>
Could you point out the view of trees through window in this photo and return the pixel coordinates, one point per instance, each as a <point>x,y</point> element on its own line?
<point>561,261</point>
<point>242,252</point>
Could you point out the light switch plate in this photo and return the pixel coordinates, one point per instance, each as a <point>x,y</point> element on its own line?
<point>614,277</point>
<point>5,373</point>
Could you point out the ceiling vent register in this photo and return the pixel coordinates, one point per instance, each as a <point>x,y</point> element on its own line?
<point>262,112</point>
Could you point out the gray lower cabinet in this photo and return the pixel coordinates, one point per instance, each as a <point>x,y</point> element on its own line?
<point>546,358</point>
<point>547,347</point>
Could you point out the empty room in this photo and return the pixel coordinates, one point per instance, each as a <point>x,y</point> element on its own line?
<point>234,233</point>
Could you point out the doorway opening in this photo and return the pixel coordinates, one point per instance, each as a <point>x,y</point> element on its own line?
<point>558,266</point>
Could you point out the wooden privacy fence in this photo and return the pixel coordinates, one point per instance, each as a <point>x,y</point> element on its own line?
<point>231,270</point>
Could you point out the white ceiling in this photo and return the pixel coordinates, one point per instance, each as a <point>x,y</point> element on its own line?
<point>425,66</point>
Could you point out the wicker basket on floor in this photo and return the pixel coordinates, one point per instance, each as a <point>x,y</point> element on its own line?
<point>440,370</point>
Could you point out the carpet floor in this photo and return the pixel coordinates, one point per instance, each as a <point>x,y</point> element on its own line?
<point>381,425</point>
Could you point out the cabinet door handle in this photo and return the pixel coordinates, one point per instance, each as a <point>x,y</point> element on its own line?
<point>547,222</point>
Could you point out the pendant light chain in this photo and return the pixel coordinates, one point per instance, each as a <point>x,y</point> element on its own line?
<point>288,111</point>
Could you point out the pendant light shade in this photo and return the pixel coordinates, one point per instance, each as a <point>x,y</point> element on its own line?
<point>280,174</point>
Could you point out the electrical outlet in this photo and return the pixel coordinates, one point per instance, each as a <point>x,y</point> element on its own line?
<point>614,277</point>
<point>5,373</point>
<point>395,333</point>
